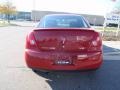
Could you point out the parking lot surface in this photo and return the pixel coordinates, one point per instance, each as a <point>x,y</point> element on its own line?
<point>14,75</point>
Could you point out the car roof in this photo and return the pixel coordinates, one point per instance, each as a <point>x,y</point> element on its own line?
<point>63,15</point>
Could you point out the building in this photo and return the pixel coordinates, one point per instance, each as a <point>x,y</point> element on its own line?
<point>24,15</point>
<point>93,19</point>
<point>18,16</point>
<point>96,20</point>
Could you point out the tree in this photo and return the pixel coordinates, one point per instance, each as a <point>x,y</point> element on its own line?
<point>7,9</point>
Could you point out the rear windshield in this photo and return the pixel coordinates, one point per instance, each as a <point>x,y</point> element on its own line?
<point>63,22</point>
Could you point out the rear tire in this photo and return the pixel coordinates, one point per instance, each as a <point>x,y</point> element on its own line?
<point>95,69</point>
<point>40,71</point>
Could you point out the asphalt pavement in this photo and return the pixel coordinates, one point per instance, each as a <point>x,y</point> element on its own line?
<point>14,75</point>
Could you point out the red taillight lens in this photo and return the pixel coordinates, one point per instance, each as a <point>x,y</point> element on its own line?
<point>96,43</point>
<point>30,41</point>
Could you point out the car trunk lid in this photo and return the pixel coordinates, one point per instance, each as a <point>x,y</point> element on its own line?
<point>64,39</point>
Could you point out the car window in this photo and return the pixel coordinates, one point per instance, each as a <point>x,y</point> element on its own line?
<point>63,22</point>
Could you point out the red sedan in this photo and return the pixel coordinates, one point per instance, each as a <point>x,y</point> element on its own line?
<point>63,42</point>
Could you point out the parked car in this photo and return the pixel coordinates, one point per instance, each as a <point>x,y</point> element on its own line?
<point>63,42</point>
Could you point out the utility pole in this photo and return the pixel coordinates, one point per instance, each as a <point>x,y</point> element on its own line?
<point>118,26</point>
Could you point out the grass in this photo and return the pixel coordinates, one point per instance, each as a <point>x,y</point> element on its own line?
<point>109,33</point>
<point>4,23</point>
<point>111,38</point>
<point>109,29</point>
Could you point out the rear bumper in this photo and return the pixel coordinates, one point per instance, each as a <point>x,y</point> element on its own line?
<point>45,60</point>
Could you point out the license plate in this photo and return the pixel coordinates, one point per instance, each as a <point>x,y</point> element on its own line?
<point>63,62</point>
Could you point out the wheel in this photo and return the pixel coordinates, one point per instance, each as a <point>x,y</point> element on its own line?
<point>40,71</point>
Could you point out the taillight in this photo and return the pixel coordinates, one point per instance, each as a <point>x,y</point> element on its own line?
<point>30,41</point>
<point>96,43</point>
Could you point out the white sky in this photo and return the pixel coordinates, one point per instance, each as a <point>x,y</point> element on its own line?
<point>96,7</point>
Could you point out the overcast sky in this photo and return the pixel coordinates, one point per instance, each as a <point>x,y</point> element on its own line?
<point>96,7</point>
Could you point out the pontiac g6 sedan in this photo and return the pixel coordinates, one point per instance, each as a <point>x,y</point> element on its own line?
<point>63,42</point>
